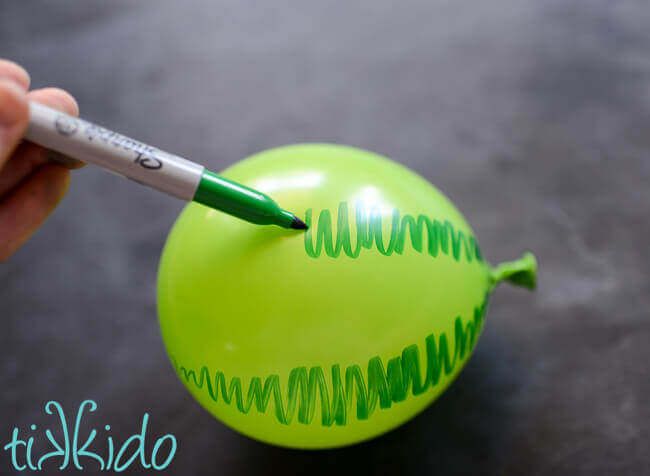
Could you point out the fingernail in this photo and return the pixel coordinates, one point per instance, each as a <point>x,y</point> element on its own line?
<point>13,104</point>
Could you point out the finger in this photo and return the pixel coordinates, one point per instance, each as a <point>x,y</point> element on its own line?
<point>28,156</point>
<point>66,161</point>
<point>14,115</point>
<point>27,207</point>
<point>55,98</point>
<point>12,71</point>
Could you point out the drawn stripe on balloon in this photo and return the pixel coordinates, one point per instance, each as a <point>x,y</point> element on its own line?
<point>370,231</point>
<point>384,386</point>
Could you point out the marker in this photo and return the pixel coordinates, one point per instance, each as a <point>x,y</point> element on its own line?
<point>150,166</point>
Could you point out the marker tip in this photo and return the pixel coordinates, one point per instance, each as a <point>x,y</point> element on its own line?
<point>298,224</point>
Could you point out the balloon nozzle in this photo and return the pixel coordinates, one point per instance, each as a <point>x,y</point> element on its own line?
<point>522,272</point>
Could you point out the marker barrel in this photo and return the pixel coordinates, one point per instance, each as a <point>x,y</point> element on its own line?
<point>120,154</point>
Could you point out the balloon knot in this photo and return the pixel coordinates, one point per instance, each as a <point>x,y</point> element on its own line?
<point>522,272</point>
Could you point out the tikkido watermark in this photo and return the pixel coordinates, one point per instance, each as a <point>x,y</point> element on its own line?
<point>77,448</point>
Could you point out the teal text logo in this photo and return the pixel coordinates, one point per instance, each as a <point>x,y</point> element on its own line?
<point>75,448</point>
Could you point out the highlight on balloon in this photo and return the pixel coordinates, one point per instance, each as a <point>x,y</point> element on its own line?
<point>441,236</point>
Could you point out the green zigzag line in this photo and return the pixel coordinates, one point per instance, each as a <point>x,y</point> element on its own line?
<point>369,231</point>
<point>384,386</point>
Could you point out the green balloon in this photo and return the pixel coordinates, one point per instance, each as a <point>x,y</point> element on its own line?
<point>332,336</point>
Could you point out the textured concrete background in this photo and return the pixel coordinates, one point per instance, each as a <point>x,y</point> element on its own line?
<point>533,116</point>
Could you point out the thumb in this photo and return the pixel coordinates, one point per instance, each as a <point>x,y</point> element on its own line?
<point>14,116</point>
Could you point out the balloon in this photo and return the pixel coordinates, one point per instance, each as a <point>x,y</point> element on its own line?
<point>335,335</point>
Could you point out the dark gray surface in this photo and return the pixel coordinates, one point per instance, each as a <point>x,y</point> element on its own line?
<point>532,116</point>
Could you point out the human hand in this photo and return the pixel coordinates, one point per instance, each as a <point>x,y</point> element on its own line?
<point>31,184</point>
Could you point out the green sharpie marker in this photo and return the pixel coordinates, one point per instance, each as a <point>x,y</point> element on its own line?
<point>150,166</point>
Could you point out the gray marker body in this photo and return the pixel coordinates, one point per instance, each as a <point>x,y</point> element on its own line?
<point>94,144</point>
